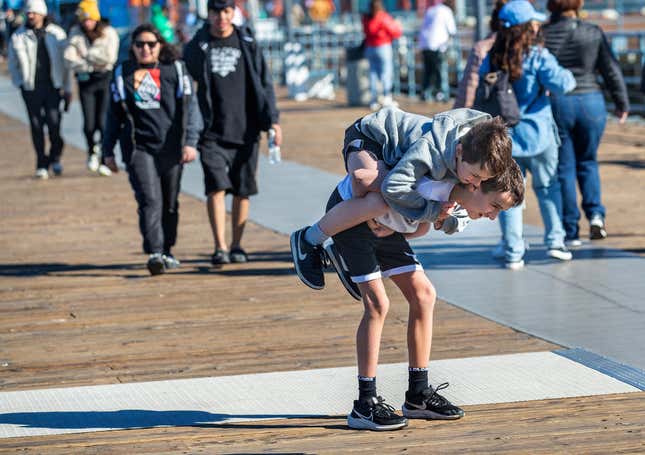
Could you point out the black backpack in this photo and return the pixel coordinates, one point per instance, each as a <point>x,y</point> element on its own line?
<point>496,97</point>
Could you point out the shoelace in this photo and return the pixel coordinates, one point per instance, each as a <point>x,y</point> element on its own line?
<point>435,399</point>
<point>382,409</point>
<point>325,262</point>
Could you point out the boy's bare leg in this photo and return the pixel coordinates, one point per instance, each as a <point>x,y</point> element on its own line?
<point>216,207</point>
<point>421,296</point>
<point>368,335</point>
<point>239,217</point>
<point>366,171</point>
<point>352,212</point>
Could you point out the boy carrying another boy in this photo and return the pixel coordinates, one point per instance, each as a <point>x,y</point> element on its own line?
<point>369,251</point>
<point>400,148</point>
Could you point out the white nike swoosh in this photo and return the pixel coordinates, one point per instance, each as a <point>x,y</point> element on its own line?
<point>301,256</point>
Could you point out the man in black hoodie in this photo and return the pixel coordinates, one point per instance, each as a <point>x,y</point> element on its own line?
<point>236,98</point>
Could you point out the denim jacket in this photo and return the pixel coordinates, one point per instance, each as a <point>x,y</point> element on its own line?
<point>536,131</point>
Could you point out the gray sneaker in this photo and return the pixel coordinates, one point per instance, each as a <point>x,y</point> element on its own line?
<point>170,262</point>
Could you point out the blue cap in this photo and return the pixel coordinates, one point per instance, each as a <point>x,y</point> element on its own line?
<point>518,12</point>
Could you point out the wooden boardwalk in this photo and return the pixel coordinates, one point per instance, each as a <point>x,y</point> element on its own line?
<point>77,307</point>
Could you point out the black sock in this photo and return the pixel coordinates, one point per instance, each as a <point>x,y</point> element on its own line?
<point>366,388</point>
<point>417,380</point>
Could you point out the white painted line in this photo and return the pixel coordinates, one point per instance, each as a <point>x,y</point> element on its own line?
<point>330,391</point>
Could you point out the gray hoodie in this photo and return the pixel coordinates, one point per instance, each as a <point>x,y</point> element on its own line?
<point>415,146</point>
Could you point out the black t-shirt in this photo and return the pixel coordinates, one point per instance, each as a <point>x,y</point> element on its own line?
<point>43,81</point>
<point>152,103</point>
<point>230,93</point>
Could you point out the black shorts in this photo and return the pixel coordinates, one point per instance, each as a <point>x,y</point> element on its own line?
<point>355,141</point>
<point>369,257</point>
<point>229,167</point>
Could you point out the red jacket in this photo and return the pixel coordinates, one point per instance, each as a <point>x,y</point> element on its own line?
<point>380,29</point>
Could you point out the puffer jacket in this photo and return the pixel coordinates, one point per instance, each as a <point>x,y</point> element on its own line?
<point>470,80</point>
<point>23,48</point>
<point>81,56</point>
<point>583,49</point>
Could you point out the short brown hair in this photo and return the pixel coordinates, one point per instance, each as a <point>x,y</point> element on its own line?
<point>560,6</point>
<point>511,180</point>
<point>489,144</point>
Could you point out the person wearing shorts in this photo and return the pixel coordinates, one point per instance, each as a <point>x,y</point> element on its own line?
<point>237,102</point>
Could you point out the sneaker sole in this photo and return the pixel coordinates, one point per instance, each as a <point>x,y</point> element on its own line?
<point>156,268</point>
<point>428,415</point>
<point>362,424</point>
<point>341,276</point>
<point>514,265</point>
<point>597,233</point>
<point>555,254</point>
<point>294,257</point>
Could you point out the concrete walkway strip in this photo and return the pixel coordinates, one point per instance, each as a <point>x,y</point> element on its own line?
<point>291,394</point>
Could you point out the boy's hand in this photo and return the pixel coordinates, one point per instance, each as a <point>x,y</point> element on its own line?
<point>446,209</point>
<point>378,229</point>
<point>188,154</point>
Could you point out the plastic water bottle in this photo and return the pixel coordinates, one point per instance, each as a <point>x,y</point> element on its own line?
<point>274,149</point>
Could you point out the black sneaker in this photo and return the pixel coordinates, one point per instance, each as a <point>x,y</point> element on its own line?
<point>307,260</point>
<point>220,257</point>
<point>430,405</point>
<point>375,415</point>
<point>341,269</point>
<point>156,264</point>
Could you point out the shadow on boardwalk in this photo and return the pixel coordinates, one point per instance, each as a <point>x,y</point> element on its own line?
<point>140,418</point>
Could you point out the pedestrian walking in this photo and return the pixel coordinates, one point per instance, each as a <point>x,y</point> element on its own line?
<point>91,54</point>
<point>37,68</point>
<point>467,86</point>
<point>237,102</point>
<point>380,30</point>
<point>435,34</point>
<point>533,71</point>
<point>155,117</point>
<point>581,114</point>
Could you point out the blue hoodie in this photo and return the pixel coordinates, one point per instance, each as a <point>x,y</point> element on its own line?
<point>536,131</point>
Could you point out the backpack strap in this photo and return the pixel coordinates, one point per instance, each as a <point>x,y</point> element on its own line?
<point>184,87</point>
<point>119,84</point>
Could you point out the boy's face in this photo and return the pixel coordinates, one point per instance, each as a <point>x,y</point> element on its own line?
<point>479,204</point>
<point>471,174</point>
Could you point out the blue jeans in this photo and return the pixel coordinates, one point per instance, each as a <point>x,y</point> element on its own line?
<point>581,122</point>
<point>381,69</point>
<point>543,170</point>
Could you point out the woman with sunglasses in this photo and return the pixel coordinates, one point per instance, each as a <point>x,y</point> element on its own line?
<point>156,118</point>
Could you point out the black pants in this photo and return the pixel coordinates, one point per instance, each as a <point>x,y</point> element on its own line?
<point>95,98</point>
<point>432,61</point>
<point>43,108</point>
<point>156,180</point>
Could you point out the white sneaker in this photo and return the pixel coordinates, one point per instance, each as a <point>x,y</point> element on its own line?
<point>514,265</point>
<point>93,162</point>
<point>573,243</point>
<point>41,173</point>
<point>597,228</point>
<point>562,253</point>
<point>374,106</point>
<point>104,170</point>
<point>388,101</point>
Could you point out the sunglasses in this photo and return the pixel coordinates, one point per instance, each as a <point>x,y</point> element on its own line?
<point>140,44</point>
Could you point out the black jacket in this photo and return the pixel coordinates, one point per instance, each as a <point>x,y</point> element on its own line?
<point>583,49</point>
<point>120,123</point>
<point>199,67</point>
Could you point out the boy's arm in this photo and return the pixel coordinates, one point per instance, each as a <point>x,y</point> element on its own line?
<point>420,232</point>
